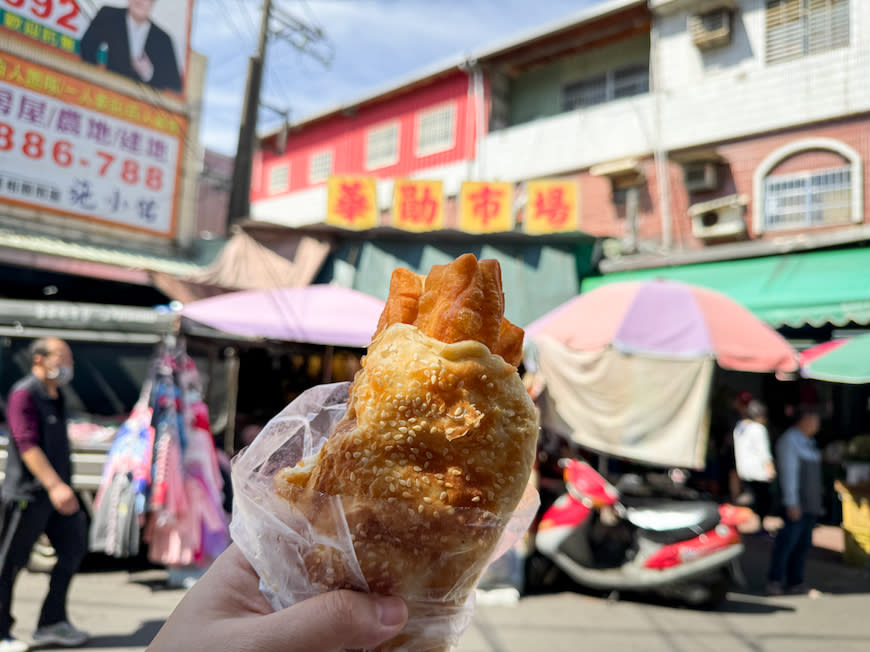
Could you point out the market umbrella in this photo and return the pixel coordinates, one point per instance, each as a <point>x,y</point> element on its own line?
<point>839,361</point>
<point>627,367</point>
<point>315,314</point>
<point>670,319</point>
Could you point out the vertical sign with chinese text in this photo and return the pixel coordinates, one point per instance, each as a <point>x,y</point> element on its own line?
<point>352,202</point>
<point>418,205</point>
<point>158,58</point>
<point>551,207</point>
<point>486,207</point>
<point>75,149</point>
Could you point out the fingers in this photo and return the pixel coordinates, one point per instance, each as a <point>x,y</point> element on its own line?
<point>336,620</point>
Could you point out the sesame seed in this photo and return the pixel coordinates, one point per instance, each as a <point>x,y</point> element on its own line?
<point>420,509</point>
<point>476,499</point>
<point>418,469</point>
<point>426,499</point>
<point>443,495</point>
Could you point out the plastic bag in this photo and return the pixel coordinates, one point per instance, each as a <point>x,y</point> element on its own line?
<point>277,537</point>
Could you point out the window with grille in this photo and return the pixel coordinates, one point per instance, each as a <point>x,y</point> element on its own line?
<point>586,92</point>
<point>279,178</point>
<point>805,199</point>
<point>320,167</point>
<point>435,130</point>
<point>382,146</point>
<point>633,80</point>
<point>612,85</point>
<point>795,28</point>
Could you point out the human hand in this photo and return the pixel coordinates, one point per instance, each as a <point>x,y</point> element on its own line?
<point>225,611</point>
<point>144,67</point>
<point>793,512</point>
<point>63,499</point>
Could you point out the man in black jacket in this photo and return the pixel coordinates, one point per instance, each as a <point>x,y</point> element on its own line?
<point>36,494</point>
<point>128,43</point>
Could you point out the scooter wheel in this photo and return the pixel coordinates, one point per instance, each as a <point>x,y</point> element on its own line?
<point>541,573</point>
<point>708,595</point>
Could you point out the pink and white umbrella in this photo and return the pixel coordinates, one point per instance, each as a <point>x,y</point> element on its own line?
<point>315,314</point>
<point>668,319</point>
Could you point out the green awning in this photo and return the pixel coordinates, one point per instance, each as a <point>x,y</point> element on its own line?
<point>537,276</point>
<point>786,290</point>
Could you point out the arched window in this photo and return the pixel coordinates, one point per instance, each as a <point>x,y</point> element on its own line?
<point>808,183</point>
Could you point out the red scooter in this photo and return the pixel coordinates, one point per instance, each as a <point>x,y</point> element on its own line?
<point>683,549</point>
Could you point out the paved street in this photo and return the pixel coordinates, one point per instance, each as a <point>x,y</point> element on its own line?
<point>124,610</point>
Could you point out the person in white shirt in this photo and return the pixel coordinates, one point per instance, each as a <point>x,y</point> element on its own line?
<point>753,457</point>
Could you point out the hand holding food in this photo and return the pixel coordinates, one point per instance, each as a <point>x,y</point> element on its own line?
<point>430,459</point>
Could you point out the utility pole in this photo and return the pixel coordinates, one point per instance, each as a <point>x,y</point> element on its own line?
<point>240,204</point>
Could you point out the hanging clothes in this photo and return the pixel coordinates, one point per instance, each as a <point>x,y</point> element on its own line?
<point>161,482</point>
<point>121,498</point>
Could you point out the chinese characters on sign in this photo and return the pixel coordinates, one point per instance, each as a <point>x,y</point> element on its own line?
<point>74,149</point>
<point>418,205</point>
<point>96,34</point>
<point>352,202</point>
<point>486,207</point>
<point>57,24</point>
<point>551,207</point>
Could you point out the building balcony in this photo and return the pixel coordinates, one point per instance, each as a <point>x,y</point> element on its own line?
<point>570,141</point>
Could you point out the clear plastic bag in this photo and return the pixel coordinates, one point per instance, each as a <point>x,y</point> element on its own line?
<point>279,539</point>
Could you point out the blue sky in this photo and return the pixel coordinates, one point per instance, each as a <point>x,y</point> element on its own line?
<point>374,43</point>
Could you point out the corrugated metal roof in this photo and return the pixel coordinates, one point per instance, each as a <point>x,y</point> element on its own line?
<point>109,256</point>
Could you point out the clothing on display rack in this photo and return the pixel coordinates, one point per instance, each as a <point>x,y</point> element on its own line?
<point>161,481</point>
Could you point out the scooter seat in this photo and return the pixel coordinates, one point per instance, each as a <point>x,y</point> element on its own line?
<point>672,521</point>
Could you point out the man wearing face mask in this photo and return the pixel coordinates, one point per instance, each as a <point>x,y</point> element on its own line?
<point>37,497</point>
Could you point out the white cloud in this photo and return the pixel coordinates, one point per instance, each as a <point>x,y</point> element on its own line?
<point>375,42</point>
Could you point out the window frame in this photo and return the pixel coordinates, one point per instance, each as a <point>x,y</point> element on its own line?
<point>320,179</point>
<point>273,189</point>
<point>805,189</point>
<point>449,144</point>
<point>762,172</point>
<point>608,77</point>
<point>801,44</point>
<point>384,162</point>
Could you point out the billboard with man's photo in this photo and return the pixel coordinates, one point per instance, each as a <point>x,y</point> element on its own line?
<point>146,41</point>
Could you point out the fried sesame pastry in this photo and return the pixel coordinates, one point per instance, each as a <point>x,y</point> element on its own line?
<point>462,300</point>
<point>434,451</point>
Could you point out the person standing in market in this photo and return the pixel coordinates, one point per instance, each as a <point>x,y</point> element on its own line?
<point>37,496</point>
<point>800,479</point>
<point>753,459</point>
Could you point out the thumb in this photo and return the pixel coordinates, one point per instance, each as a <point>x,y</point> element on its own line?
<point>336,620</point>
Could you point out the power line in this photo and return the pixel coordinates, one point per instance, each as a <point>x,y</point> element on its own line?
<point>250,21</point>
<point>228,17</point>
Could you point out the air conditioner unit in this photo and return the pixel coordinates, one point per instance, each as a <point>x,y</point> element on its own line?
<point>711,29</point>
<point>701,175</point>
<point>719,218</point>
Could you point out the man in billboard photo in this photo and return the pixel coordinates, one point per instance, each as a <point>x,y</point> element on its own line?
<point>128,43</point>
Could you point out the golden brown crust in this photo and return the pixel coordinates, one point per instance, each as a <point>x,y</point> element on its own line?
<point>436,447</point>
<point>402,303</point>
<point>462,300</point>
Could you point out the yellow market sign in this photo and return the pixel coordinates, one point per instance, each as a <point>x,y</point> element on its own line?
<point>486,207</point>
<point>418,205</point>
<point>551,207</point>
<point>352,202</point>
